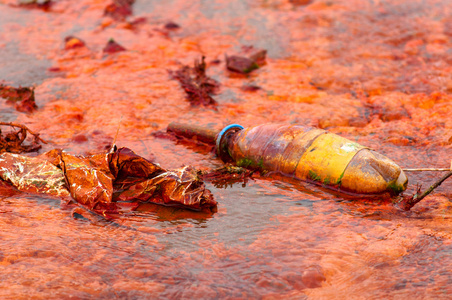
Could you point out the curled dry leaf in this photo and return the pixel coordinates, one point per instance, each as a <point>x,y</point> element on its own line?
<point>107,183</point>
<point>180,187</point>
<point>32,174</point>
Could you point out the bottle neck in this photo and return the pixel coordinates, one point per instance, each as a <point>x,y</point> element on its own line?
<point>223,141</point>
<point>193,132</point>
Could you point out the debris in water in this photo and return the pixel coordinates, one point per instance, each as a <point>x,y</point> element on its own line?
<point>407,202</point>
<point>247,60</point>
<point>113,47</point>
<point>33,175</point>
<point>250,88</point>
<point>119,9</point>
<point>22,97</point>
<point>171,26</point>
<point>13,141</point>
<point>305,153</point>
<point>40,4</point>
<point>135,23</point>
<point>228,175</point>
<point>240,64</point>
<point>72,42</point>
<point>109,182</point>
<point>197,85</point>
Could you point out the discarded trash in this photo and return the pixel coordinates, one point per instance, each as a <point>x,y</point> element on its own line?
<point>106,183</point>
<point>305,153</point>
<point>22,97</point>
<point>197,85</point>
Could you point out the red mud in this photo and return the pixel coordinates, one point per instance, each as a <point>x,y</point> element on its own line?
<point>377,72</point>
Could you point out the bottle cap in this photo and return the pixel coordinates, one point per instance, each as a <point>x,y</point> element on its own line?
<point>221,145</point>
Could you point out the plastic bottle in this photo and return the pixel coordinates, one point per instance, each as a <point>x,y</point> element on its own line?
<point>305,153</point>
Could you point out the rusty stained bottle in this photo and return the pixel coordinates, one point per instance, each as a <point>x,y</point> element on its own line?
<point>309,153</point>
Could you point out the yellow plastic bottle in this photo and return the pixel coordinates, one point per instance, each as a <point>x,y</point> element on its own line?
<point>307,153</point>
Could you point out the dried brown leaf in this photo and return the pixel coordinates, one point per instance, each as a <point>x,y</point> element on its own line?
<point>196,84</point>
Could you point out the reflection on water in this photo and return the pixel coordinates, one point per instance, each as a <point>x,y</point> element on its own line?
<point>20,69</point>
<point>268,237</point>
<point>16,67</point>
<point>243,213</point>
<point>234,18</point>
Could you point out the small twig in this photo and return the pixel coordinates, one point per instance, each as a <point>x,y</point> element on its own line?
<point>25,128</point>
<point>113,146</point>
<point>409,202</point>
<point>434,186</point>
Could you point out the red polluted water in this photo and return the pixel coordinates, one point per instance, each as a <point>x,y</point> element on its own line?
<point>375,72</point>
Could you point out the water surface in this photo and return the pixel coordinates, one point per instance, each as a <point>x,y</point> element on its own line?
<point>377,72</point>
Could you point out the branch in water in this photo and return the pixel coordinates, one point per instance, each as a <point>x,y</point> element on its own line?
<point>408,202</point>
